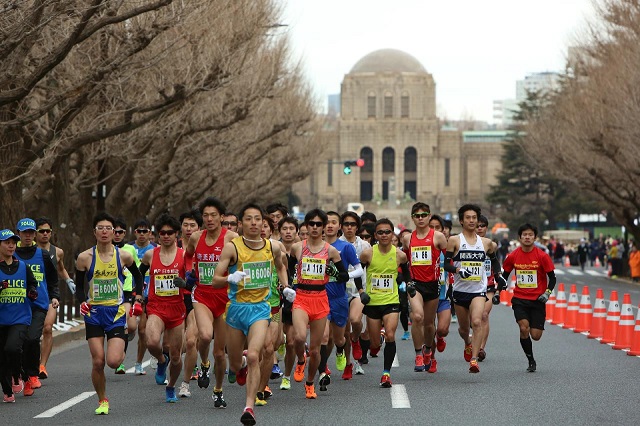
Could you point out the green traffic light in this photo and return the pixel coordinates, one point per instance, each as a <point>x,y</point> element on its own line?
<point>347,170</point>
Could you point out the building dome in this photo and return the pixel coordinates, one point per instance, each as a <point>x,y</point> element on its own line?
<point>388,60</point>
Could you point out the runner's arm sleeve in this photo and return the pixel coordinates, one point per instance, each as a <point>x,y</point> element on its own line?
<point>142,268</point>
<point>137,277</point>
<point>356,273</point>
<point>343,275</point>
<point>551,280</point>
<point>448,263</point>
<point>495,264</point>
<point>406,274</point>
<point>292,261</point>
<point>51,272</point>
<point>81,293</point>
<point>358,283</point>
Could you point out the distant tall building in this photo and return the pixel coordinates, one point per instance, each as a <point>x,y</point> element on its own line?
<point>333,109</point>
<point>504,112</point>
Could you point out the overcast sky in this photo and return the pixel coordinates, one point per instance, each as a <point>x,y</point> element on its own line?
<point>475,50</point>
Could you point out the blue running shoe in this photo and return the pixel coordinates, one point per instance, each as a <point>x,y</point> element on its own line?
<point>276,373</point>
<point>406,335</point>
<point>161,371</point>
<point>171,393</point>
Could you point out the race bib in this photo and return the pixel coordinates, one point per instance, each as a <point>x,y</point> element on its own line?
<point>487,268</point>
<point>313,269</point>
<point>381,283</point>
<point>527,279</point>
<point>164,285</point>
<point>105,289</point>
<point>443,276</point>
<point>476,269</point>
<point>258,275</point>
<point>205,272</point>
<point>421,255</point>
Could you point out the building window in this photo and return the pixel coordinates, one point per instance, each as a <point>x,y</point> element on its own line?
<point>371,105</point>
<point>410,186</point>
<point>366,190</point>
<point>330,173</point>
<point>388,160</point>
<point>385,189</point>
<point>388,105</point>
<point>404,105</point>
<point>366,154</point>
<point>410,160</point>
<point>447,172</point>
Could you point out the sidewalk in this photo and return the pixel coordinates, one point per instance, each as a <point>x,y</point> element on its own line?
<point>68,331</point>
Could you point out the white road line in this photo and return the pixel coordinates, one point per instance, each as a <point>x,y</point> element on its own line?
<point>144,365</point>
<point>399,397</point>
<point>396,363</point>
<point>594,273</point>
<point>67,404</point>
<point>559,272</point>
<point>575,272</point>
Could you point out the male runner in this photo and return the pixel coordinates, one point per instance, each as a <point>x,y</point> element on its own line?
<point>311,305</point>
<point>338,301</point>
<point>468,252</point>
<point>249,260</point>
<point>303,232</point>
<point>423,247</point>
<point>276,212</point>
<point>381,300</point>
<point>209,302</point>
<point>230,221</point>
<point>43,240</point>
<point>46,273</point>
<point>18,289</point>
<point>101,301</point>
<point>481,230</point>
<point>535,280</point>
<point>165,308</point>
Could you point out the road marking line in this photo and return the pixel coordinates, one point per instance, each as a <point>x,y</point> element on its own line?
<point>559,272</point>
<point>399,397</point>
<point>396,363</point>
<point>594,273</point>
<point>67,404</point>
<point>575,272</point>
<point>144,365</point>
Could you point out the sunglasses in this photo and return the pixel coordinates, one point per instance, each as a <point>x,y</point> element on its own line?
<point>421,215</point>
<point>349,224</point>
<point>44,231</point>
<point>168,232</point>
<point>227,223</point>
<point>365,236</point>
<point>119,231</point>
<point>313,223</point>
<point>384,232</point>
<point>104,228</point>
<point>141,231</point>
<point>481,225</point>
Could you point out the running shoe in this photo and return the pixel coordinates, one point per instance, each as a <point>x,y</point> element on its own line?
<point>203,375</point>
<point>161,371</point>
<point>138,370</point>
<point>441,343</point>
<point>341,361</point>
<point>276,373</point>
<point>241,377</point>
<point>481,355</point>
<point>433,368</point>
<point>17,385</point>
<point>43,372</point>
<point>184,391</point>
<point>357,369</point>
<point>218,399</point>
<point>324,381</point>
<point>194,374</point>
<point>473,366</point>
<point>153,362</point>
<point>374,352</point>
<point>347,374</point>
<point>260,401</point>
<point>248,418</point>
<point>310,391</point>
<point>282,350</point>
<point>532,366</point>
<point>364,360</point>
<point>9,398</point>
<point>467,352</point>
<point>231,376</point>
<point>35,382</point>
<point>298,374</point>
<point>326,370</point>
<point>103,408</point>
<point>267,392</point>
<point>121,369</point>
<point>28,390</point>
<point>454,318</point>
<point>419,363</point>
<point>385,381</point>
<point>356,349</point>
<point>426,357</point>
<point>406,335</point>
<point>285,384</point>
<point>171,394</point>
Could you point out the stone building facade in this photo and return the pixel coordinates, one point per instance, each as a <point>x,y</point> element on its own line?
<point>388,118</point>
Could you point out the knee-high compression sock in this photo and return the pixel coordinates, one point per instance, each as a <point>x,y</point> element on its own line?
<point>126,343</point>
<point>324,356</point>
<point>365,345</point>
<point>404,320</point>
<point>389,355</point>
<point>527,347</point>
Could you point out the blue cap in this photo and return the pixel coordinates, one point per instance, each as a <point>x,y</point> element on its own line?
<point>6,234</point>
<point>26,224</point>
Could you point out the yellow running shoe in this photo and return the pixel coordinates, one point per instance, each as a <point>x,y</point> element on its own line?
<point>260,401</point>
<point>103,408</point>
<point>341,361</point>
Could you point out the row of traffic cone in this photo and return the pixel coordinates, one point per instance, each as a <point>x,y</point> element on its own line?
<point>613,326</point>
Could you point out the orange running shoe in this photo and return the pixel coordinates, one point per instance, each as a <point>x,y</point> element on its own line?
<point>434,366</point>
<point>43,372</point>
<point>28,390</point>
<point>298,374</point>
<point>35,382</point>
<point>467,352</point>
<point>473,366</point>
<point>310,391</point>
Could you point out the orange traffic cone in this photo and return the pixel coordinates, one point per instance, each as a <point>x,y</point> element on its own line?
<point>599,316</point>
<point>598,264</point>
<point>561,306</point>
<point>613,317</point>
<point>585,314</point>
<point>551,307</point>
<point>635,345</point>
<point>572,308</point>
<point>625,326</point>
<point>567,262</point>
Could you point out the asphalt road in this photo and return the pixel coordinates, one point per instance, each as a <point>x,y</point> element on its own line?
<point>579,381</point>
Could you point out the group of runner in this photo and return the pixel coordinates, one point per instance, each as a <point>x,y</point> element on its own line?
<point>263,287</point>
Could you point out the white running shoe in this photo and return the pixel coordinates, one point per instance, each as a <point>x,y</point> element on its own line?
<point>138,370</point>
<point>154,363</point>
<point>357,368</point>
<point>184,390</point>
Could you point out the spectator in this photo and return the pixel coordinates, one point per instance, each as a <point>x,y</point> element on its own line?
<point>583,253</point>
<point>503,247</point>
<point>634,263</point>
<point>614,259</point>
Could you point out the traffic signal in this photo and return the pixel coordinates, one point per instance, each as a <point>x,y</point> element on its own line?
<point>350,163</point>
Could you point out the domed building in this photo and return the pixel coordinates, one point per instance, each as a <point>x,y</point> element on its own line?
<point>388,118</point>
